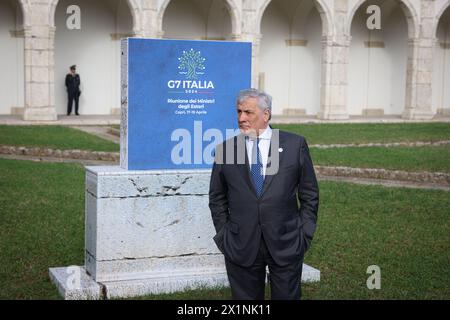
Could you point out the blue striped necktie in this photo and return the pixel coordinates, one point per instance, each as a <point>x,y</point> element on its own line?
<point>256,168</point>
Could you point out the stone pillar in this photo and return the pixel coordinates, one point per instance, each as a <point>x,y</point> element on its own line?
<point>149,20</point>
<point>419,75</point>
<point>39,67</point>
<point>249,32</point>
<point>335,57</point>
<point>333,89</point>
<point>255,39</point>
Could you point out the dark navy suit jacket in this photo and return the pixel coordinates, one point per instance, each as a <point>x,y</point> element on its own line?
<point>286,212</point>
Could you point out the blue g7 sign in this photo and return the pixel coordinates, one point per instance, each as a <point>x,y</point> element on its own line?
<point>179,100</point>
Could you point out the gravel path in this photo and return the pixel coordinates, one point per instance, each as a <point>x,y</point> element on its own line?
<point>366,176</point>
<point>99,131</point>
<point>376,144</point>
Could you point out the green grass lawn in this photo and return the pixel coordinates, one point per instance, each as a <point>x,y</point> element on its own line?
<point>403,231</point>
<point>41,225</point>
<point>57,137</point>
<point>369,132</point>
<point>430,158</point>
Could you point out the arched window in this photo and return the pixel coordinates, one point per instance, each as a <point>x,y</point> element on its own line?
<point>11,57</point>
<point>290,56</point>
<point>95,49</point>
<point>441,72</point>
<point>378,61</point>
<point>196,19</point>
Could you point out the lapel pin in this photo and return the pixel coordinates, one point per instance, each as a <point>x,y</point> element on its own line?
<point>280,150</point>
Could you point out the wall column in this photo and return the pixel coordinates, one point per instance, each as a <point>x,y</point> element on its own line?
<point>333,89</point>
<point>419,76</point>
<point>249,33</point>
<point>334,73</point>
<point>39,67</point>
<point>150,28</point>
<point>255,39</point>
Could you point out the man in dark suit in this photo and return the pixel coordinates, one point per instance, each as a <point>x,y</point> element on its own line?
<point>258,180</point>
<point>73,89</point>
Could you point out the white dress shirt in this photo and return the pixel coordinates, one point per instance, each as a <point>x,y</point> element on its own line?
<point>264,146</point>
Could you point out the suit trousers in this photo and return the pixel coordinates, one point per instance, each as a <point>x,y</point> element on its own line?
<point>72,96</point>
<point>248,283</point>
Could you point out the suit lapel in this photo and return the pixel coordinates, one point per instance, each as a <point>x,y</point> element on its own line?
<point>244,169</point>
<point>276,142</point>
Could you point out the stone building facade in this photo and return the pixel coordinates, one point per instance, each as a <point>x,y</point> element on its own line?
<point>316,57</point>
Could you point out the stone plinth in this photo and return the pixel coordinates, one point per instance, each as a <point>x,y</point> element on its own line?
<point>373,112</point>
<point>88,289</point>
<point>145,223</point>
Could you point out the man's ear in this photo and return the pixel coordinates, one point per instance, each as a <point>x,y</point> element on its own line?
<point>266,115</point>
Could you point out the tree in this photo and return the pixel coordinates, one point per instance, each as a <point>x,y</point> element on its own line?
<point>191,61</point>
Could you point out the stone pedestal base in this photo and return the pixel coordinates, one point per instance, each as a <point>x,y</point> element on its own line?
<point>443,112</point>
<point>147,232</point>
<point>88,289</point>
<point>412,114</point>
<point>333,114</point>
<point>294,112</point>
<point>40,114</point>
<point>373,112</point>
<point>17,111</point>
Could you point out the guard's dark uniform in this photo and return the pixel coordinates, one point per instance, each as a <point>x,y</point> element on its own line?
<point>73,91</point>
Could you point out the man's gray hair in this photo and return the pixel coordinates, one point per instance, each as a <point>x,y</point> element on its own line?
<point>264,99</point>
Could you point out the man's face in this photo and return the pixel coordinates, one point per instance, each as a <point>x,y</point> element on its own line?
<point>73,71</point>
<point>251,119</point>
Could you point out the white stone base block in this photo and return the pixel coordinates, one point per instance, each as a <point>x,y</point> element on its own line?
<point>147,232</point>
<point>443,112</point>
<point>115,111</point>
<point>18,111</point>
<point>40,114</point>
<point>373,112</point>
<point>294,112</point>
<point>413,114</point>
<point>336,113</point>
<point>88,289</point>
